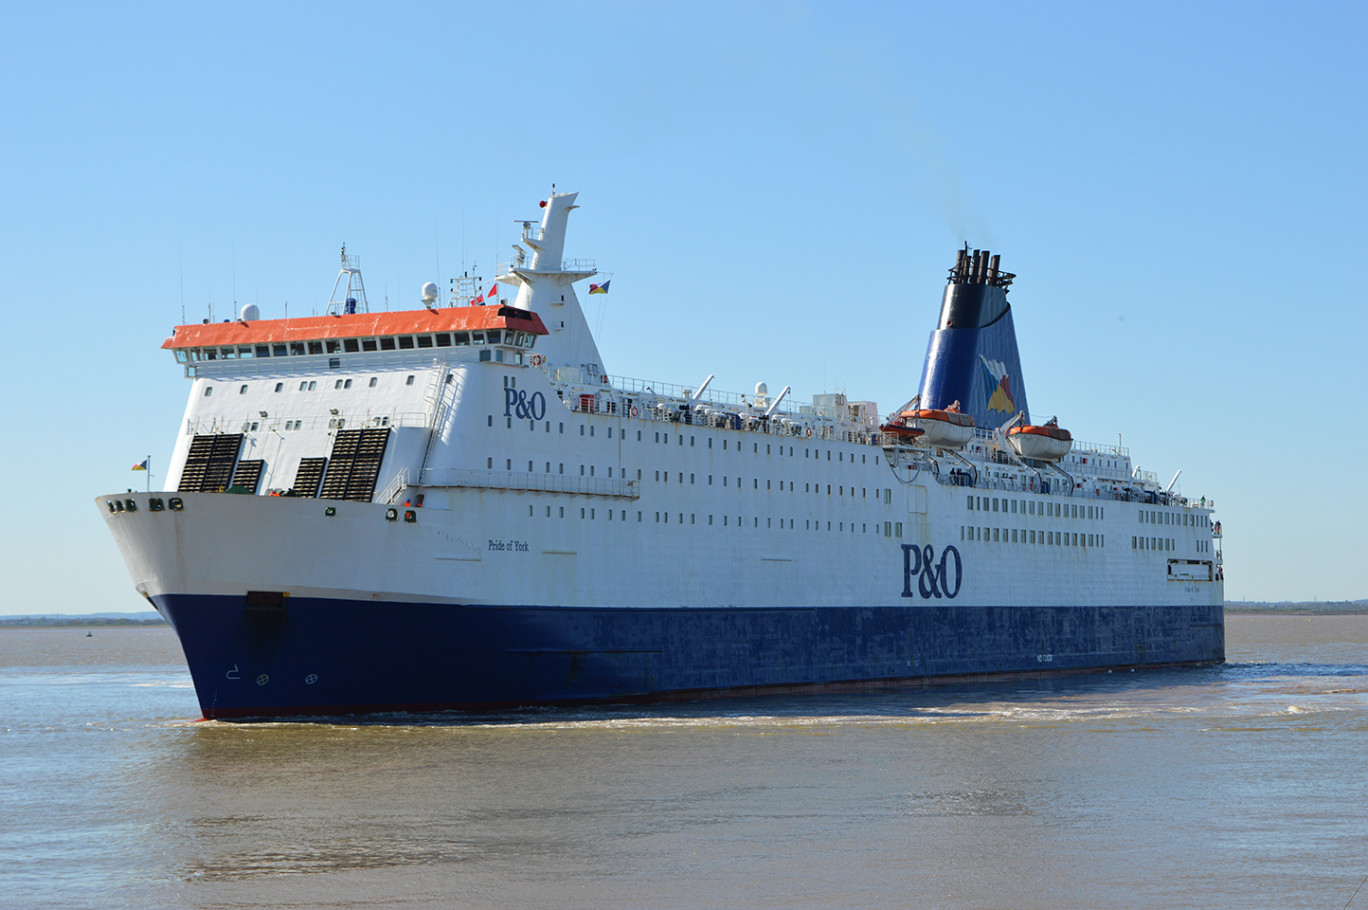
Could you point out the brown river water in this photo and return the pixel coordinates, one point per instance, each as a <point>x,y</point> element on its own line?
<point>1235,787</point>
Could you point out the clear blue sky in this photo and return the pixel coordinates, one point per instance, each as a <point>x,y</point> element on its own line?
<point>777,189</point>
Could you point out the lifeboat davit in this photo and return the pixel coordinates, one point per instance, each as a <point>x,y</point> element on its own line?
<point>1043,443</point>
<point>900,431</point>
<point>947,428</point>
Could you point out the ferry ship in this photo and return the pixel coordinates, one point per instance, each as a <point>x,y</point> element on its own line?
<point>458,507</point>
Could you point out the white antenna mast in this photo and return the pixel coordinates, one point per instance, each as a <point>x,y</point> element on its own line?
<point>354,290</point>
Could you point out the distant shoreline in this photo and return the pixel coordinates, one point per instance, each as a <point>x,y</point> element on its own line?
<point>1298,610</point>
<point>77,622</point>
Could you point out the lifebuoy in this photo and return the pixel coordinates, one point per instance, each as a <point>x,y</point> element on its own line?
<point>538,360</point>
<point>809,432</point>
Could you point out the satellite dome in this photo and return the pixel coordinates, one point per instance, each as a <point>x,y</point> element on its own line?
<point>761,389</point>
<point>250,313</point>
<point>429,292</point>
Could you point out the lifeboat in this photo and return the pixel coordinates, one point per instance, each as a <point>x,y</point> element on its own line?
<point>947,428</point>
<point>1043,443</point>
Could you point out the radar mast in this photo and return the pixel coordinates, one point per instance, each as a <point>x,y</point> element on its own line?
<point>353,299</point>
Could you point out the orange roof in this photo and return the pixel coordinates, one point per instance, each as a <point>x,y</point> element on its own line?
<point>313,328</point>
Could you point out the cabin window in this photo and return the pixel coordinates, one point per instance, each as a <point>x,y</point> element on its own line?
<point>477,338</point>
<point>493,336</point>
<point>409,381</point>
<point>386,344</point>
<point>443,339</point>
<point>279,350</point>
<point>279,386</point>
<point>373,381</point>
<point>337,384</point>
<point>368,344</point>
<point>351,345</point>
<point>334,346</point>
<point>405,342</point>
<point>312,385</point>
<point>208,390</point>
<point>296,348</point>
<point>462,339</point>
<point>263,350</point>
<point>242,390</point>
<point>346,383</point>
<point>424,341</point>
<point>315,347</point>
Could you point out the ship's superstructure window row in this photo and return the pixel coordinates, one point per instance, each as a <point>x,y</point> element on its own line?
<point>505,337</point>
<point>1032,536</point>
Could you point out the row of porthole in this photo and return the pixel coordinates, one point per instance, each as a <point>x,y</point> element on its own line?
<point>154,504</point>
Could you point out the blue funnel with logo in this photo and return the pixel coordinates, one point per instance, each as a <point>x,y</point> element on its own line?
<point>972,356</point>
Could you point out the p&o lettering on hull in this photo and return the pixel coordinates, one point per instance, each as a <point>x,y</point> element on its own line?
<point>934,579</point>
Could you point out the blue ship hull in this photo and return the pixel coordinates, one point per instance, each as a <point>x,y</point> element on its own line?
<point>309,657</point>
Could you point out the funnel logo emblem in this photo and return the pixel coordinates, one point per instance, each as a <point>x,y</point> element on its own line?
<point>998,385</point>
